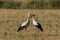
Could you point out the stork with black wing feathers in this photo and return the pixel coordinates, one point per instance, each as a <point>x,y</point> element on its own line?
<point>36,23</point>
<point>25,24</point>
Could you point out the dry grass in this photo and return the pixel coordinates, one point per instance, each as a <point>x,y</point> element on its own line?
<point>11,19</point>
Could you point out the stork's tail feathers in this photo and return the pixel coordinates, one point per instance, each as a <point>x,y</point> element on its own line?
<point>40,27</point>
<point>20,28</point>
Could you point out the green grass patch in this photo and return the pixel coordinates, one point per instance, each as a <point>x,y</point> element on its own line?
<point>10,5</point>
<point>30,4</point>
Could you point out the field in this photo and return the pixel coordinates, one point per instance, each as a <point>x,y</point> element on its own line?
<point>11,19</point>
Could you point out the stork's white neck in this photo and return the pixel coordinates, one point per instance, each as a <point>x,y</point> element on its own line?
<point>29,14</point>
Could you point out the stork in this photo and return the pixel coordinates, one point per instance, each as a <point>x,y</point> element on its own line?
<point>25,24</point>
<point>36,23</point>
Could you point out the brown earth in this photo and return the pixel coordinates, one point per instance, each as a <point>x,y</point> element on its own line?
<point>11,19</point>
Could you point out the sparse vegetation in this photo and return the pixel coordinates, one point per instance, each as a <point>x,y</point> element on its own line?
<point>10,4</point>
<point>30,4</point>
<point>35,5</point>
<point>55,4</point>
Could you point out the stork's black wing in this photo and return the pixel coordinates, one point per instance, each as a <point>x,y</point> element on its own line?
<point>39,26</point>
<point>22,27</point>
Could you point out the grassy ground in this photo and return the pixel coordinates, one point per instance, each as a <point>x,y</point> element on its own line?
<point>11,19</point>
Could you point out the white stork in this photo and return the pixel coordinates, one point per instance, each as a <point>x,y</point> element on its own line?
<point>36,23</point>
<point>25,24</point>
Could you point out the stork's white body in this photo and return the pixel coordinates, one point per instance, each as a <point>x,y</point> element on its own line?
<point>34,22</point>
<point>37,24</point>
<point>25,23</point>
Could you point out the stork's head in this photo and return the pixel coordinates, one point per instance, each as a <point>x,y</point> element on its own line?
<point>29,15</point>
<point>33,16</point>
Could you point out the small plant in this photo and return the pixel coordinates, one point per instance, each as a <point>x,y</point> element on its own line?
<point>5,33</point>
